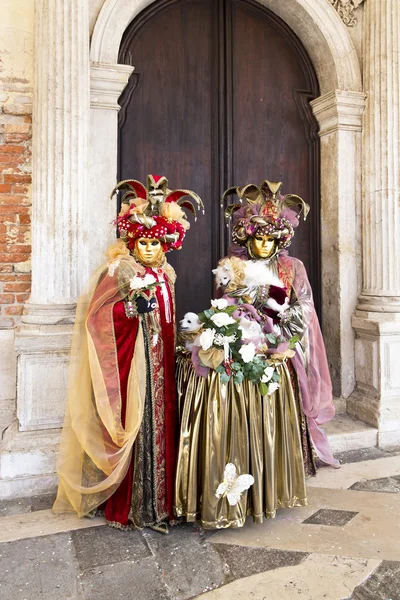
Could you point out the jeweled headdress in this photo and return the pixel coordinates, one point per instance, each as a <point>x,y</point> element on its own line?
<point>264,211</point>
<point>154,212</point>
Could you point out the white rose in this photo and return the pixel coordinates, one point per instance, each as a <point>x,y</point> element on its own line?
<point>137,282</point>
<point>248,352</point>
<point>268,372</point>
<point>273,387</point>
<point>149,280</point>
<point>221,304</point>
<point>207,338</point>
<point>222,319</point>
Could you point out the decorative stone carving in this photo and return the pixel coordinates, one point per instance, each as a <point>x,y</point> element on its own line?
<point>345,9</point>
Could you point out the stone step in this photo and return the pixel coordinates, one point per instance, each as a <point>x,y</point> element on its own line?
<point>347,433</point>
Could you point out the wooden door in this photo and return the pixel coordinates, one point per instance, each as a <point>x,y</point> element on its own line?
<point>219,97</point>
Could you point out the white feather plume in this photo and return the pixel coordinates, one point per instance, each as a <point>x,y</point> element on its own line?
<point>258,273</point>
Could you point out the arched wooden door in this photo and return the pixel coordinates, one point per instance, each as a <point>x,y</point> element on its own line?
<point>219,96</point>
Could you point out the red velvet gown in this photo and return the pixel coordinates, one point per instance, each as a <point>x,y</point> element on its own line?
<point>145,496</point>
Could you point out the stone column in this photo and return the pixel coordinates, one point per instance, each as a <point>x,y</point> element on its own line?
<point>377,320</point>
<point>60,203</point>
<point>60,242</point>
<point>339,117</point>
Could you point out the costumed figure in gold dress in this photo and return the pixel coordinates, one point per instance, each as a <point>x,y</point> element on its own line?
<point>255,387</point>
<point>118,445</point>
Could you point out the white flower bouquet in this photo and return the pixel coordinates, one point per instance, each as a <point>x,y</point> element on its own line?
<point>225,346</point>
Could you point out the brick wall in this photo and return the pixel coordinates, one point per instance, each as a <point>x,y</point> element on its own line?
<point>16,81</point>
<point>15,200</point>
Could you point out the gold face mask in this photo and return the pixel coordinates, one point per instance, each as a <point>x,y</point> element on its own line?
<point>262,246</point>
<point>149,252</point>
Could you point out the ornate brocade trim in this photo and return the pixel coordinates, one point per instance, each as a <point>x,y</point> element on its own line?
<point>345,10</point>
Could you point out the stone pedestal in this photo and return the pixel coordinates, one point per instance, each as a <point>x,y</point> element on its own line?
<point>377,320</point>
<point>60,244</point>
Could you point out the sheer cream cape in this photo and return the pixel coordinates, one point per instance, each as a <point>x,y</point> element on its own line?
<point>95,449</point>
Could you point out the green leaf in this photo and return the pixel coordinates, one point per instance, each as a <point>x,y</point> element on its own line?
<point>209,313</point>
<point>238,377</point>
<point>293,341</point>
<point>224,378</point>
<point>263,389</point>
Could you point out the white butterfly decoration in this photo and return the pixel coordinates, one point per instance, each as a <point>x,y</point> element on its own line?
<point>233,486</point>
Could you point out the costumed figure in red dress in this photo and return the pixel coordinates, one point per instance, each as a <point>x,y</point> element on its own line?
<point>118,446</point>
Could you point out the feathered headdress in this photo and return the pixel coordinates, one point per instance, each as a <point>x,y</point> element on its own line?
<point>264,212</point>
<point>154,212</point>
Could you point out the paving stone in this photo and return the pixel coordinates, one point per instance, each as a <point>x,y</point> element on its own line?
<point>244,561</point>
<point>43,567</point>
<point>127,580</point>
<point>335,518</point>
<point>351,456</point>
<point>189,564</point>
<point>20,506</point>
<point>383,584</point>
<point>42,502</point>
<point>390,485</point>
<point>104,545</point>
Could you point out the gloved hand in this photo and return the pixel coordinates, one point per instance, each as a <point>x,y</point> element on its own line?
<point>145,305</point>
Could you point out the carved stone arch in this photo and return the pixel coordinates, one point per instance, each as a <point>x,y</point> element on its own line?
<point>315,22</point>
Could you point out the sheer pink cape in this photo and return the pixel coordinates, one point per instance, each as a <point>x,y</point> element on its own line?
<point>311,368</point>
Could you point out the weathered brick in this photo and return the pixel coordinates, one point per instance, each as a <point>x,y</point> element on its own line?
<point>5,188</point>
<point>17,128</point>
<point>6,268</point>
<point>8,277</point>
<point>13,257</point>
<point>28,119</point>
<point>12,198</point>
<point>16,138</point>
<point>17,287</point>
<point>11,149</point>
<point>24,277</point>
<point>21,298</point>
<point>9,160</point>
<point>20,248</point>
<point>17,178</point>
<point>6,299</point>
<point>18,109</point>
<point>24,218</point>
<point>12,209</point>
<point>19,189</point>
<point>14,310</point>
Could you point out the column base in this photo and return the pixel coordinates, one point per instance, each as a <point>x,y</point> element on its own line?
<point>376,400</point>
<point>28,463</point>
<point>48,314</point>
<point>29,448</point>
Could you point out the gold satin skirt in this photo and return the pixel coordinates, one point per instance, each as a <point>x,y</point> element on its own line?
<point>229,423</point>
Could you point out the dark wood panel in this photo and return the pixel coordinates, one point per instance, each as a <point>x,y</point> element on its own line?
<point>170,126</point>
<point>220,96</point>
<point>269,138</point>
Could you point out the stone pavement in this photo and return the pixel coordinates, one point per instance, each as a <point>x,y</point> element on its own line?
<point>344,546</point>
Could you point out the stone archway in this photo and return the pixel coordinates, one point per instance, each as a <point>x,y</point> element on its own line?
<point>338,111</point>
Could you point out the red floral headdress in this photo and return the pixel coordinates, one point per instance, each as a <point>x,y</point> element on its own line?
<point>265,212</point>
<point>154,212</point>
